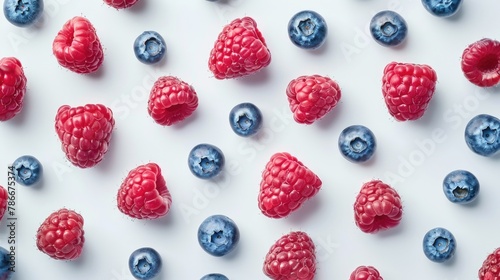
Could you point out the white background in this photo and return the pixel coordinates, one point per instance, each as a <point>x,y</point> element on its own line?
<point>413,156</point>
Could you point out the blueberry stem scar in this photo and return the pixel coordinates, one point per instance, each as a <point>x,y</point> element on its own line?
<point>143,265</point>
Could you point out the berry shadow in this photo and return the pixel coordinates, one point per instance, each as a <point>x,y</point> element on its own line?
<point>433,112</point>
<point>108,162</point>
<point>187,121</point>
<point>457,16</point>
<point>258,78</point>
<point>305,211</point>
<point>319,51</point>
<point>166,221</point>
<point>329,119</point>
<point>389,233</point>
<point>81,261</point>
<point>99,73</point>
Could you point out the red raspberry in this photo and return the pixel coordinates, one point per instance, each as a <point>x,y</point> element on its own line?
<point>312,97</point>
<point>61,235</point>
<point>171,100</point>
<point>3,201</point>
<point>240,50</point>
<point>408,89</point>
<point>490,270</point>
<point>292,257</point>
<point>286,184</point>
<point>481,62</point>
<point>85,132</point>
<point>77,46</point>
<point>144,194</point>
<point>365,273</point>
<point>121,4</point>
<point>377,207</point>
<point>12,87</point>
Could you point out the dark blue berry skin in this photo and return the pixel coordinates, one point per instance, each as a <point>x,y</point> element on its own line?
<point>442,8</point>
<point>357,143</point>
<point>218,235</point>
<point>205,161</point>
<point>307,30</point>
<point>22,12</point>
<point>439,245</point>
<point>245,119</point>
<point>145,263</point>
<point>388,28</point>
<point>149,47</point>
<point>5,265</point>
<point>460,186</point>
<point>214,276</point>
<point>27,170</point>
<point>482,135</point>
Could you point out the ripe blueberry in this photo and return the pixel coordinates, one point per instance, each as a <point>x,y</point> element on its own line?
<point>205,161</point>
<point>5,265</point>
<point>144,263</point>
<point>442,8</point>
<point>22,12</point>
<point>388,28</point>
<point>460,186</point>
<point>214,276</point>
<point>245,119</point>
<point>27,170</point>
<point>218,235</point>
<point>439,244</point>
<point>482,135</point>
<point>357,143</point>
<point>149,47</point>
<point>307,30</point>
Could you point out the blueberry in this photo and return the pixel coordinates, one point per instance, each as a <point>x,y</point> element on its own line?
<point>144,263</point>
<point>357,143</point>
<point>27,170</point>
<point>205,161</point>
<point>442,8</point>
<point>149,47</point>
<point>245,119</point>
<point>460,186</point>
<point>307,30</point>
<point>5,266</point>
<point>214,276</point>
<point>218,235</point>
<point>439,245</point>
<point>22,12</point>
<point>482,135</point>
<point>388,28</point>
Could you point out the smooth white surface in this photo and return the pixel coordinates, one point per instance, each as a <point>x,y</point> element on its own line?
<point>413,157</point>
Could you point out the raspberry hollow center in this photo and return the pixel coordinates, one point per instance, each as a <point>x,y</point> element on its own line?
<point>489,135</point>
<point>358,145</point>
<point>153,46</point>
<point>441,244</point>
<point>389,29</point>
<point>218,238</point>
<point>307,27</point>
<point>460,192</point>
<point>143,266</point>
<point>244,122</point>
<point>488,63</point>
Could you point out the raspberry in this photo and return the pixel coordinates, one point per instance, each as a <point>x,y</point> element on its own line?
<point>121,4</point>
<point>292,257</point>
<point>3,201</point>
<point>61,235</point>
<point>490,270</point>
<point>312,97</point>
<point>77,47</point>
<point>171,100</point>
<point>144,194</point>
<point>12,87</point>
<point>481,62</point>
<point>85,132</point>
<point>239,50</point>
<point>408,89</point>
<point>365,273</point>
<point>377,207</point>
<point>286,184</point>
